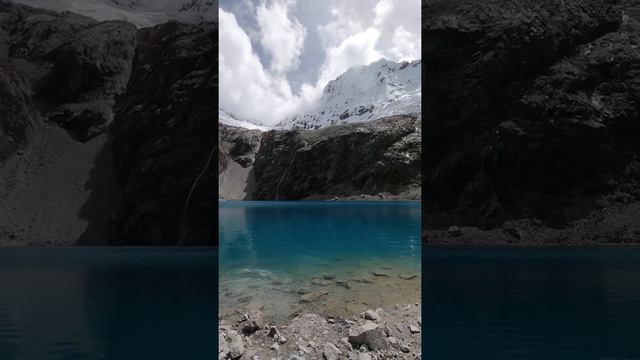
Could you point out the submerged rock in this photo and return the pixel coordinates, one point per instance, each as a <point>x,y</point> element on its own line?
<point>408,276</point>
<point>312,296</point>
<point>380,273</point>
<point>321,282</point>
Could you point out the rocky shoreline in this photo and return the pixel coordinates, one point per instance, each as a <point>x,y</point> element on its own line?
<point>375,334</point>
<point>613,224</point>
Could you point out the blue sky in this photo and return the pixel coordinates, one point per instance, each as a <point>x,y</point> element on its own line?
<point>276,56</point>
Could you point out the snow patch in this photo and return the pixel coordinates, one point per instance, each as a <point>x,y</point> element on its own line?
<point>227,118</point>
<point>365,93</point>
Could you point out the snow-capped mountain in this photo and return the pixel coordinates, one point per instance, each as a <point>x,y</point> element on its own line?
<point>365,93</point>
<point>227,118</point>
<point>142,13</point>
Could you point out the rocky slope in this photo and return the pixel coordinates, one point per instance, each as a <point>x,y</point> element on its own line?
<point>57,186</point>
<point>77,93</point>
<point>237,148</point>
<point>380,334</point>
<point>371,158</point>
<point>532,112</point>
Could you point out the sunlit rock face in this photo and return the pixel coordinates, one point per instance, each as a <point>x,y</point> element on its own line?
<point>369,158</point>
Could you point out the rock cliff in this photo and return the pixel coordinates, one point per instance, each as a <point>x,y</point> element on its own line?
<point>236,155</point>
<point>381,157</point>
<point>164,138</point>
<point>106,131</point>
<point>532,111</point>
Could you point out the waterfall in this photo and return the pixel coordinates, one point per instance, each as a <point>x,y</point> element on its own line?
<point>183,228</point>
<point>284,173</point>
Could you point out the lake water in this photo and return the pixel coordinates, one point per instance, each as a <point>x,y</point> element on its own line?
<point>561,303</point>
<point>272,253</point>
<point>108,303</point>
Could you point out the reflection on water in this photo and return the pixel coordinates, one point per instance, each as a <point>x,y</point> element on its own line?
<point>270,252</point>
<point>562,303</point>
<point>107,303</point>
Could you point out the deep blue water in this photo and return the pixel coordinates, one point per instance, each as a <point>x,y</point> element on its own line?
<point>270,249</point>
<point>108,303</point>
<point>288,235</point>
<point>562,303</point>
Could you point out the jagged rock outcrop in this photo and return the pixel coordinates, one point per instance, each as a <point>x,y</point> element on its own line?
<point>164,138</point>
<point>64,68</point>
<point>381,156</point>
<point>532,109</point>
<point>237,148</point>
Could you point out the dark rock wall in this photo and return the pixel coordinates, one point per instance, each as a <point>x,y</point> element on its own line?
<point>59,67</point>
<point>152,89</point>
<point>532,108</point>
<point>382,156</point>
<point>164,139</point>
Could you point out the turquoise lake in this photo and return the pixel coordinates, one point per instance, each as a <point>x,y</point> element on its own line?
<point>271,253</point>
<point>108,303</point>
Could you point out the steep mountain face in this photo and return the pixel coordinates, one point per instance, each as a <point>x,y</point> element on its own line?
<point>380,157</point>
<point>164,139</point>
<point>337,150</point>
<point>131,4</point>
<point>199,6</point>
<point>532,111</point>
<point>142,13</point>
<point>106,131</point>
<point>365,93</point>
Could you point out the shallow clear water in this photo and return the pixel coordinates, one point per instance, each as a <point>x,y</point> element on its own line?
<point>560,303</point>
<point>271,251</point>
<point>108,303</point>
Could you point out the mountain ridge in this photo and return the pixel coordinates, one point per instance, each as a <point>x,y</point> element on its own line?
<point>138,12</point>
<point>364,93</point>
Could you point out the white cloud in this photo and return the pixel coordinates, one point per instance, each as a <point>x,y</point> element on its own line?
<point>340,34</point>
<point>246,89</point>
<point>406,45</point>
<point>280,36</point>
<point>382,10</point>
<point>357,49</point>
